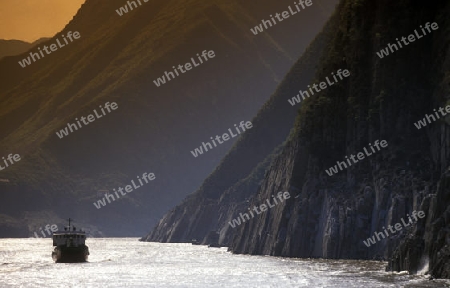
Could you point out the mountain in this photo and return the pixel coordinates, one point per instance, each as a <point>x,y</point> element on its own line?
<point>16,47</point>
<point>235,180</point>
<point>382,99</point>
<point>154,129</point>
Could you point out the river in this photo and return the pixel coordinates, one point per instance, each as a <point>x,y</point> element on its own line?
<point>126,262</point>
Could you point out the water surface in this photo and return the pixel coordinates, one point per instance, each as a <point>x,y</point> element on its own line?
<point>126,262</point>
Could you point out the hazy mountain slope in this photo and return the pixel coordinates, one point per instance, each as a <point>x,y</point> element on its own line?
<point>235,180</point>
<point>155,128</point>
<point>16,47</point>
<point>331,216</point>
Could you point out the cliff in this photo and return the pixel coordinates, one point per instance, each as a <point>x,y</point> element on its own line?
<point>330,216</point>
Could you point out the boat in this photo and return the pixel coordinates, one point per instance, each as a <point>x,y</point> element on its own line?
<point>70,245</point>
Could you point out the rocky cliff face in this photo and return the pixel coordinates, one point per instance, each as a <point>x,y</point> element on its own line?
<point>330,216</point>
<point>427,246</point>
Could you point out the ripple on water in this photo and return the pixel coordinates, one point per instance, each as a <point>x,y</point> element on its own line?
<point>126,262</point>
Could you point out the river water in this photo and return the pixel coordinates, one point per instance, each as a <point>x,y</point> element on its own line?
<point>126,262</point>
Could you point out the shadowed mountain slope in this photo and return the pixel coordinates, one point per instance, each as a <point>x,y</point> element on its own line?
<point>331,216</point>
<point>235,180</point>
<point>155,128</point>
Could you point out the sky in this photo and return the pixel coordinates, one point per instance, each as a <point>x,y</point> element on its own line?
<point>29,20</point>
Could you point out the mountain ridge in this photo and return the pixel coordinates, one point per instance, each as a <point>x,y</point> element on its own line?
<point>15,47</point>
<point>154,128</point>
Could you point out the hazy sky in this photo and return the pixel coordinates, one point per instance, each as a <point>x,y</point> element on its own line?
<point>30,20</point>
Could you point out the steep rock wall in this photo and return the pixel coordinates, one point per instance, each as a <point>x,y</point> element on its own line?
<point>330,216</point>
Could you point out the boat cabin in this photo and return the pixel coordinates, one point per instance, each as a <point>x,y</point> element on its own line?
<point>69,238</point>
